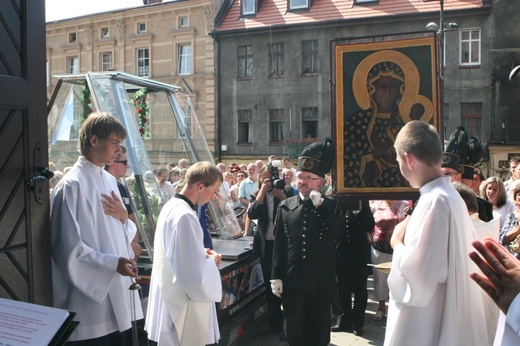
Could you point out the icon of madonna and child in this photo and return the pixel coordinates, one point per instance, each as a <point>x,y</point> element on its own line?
<point>386,91</point>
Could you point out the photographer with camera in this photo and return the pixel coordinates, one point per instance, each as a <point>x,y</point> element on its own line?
<point>262,207</point>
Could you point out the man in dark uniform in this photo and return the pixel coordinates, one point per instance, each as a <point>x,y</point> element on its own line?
<point>450,165</point>
<point>303,261</point>
<point>352,256</point>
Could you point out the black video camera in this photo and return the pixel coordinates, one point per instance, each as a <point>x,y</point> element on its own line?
<point>276,181</point>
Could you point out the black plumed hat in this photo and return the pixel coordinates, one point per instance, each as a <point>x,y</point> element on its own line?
<point>468,148</point>
<point>317,158</point>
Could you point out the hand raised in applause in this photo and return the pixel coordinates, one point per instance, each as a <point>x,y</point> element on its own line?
<point>500,269</point>
<point>113,206</point>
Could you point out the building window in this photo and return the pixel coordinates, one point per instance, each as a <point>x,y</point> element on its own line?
<point>73,65</point>
<point>141,28</point>
<point>298,4</point>
<point>245,62</point>
<point>73,38</point>
<point>143,62</point>
<point>248,7</point>
<point>470,47</point>
<point>105,32</point>
<point>310,122</point>
<point>184,59</point>
<point>183,22</point>
<point>105,61</point>
<point>360,2</point>
<point>244,126</point>
<point>309,57</point>
<point>471,118</point>
<point>276,60</point>
<point>276,125</point>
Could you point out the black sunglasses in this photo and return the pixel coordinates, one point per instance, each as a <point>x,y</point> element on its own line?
<point>124,162</point>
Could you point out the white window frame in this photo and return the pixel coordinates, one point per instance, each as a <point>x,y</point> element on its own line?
<point>104,32</point>
<point>470,41</point>
<point>102,62</point>
<point>140,58</point>
<point>184,25</point>
<point>184,60</point>
<point>293,6</point>
<point>141,31</point>
<point>73,64</point>
<point>245,11</point>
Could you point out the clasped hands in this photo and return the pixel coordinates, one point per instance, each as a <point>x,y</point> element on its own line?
<point>127,267</point>
<point>277,287</point>
<point>216,256</point>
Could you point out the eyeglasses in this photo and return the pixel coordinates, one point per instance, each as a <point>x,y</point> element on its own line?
<point>308,178</point>
<point>124,162</point>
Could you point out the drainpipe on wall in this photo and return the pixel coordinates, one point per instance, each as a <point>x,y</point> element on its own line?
<point>218,134</point>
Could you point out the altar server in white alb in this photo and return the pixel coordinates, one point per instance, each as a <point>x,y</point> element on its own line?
<point>432,298</point>
<point>185,282</point>
<point>91,240</point>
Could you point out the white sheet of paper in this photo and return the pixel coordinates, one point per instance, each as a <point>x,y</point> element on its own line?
<point>29,324</point>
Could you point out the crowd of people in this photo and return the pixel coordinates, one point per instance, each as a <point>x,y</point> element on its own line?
<point>313,253</point>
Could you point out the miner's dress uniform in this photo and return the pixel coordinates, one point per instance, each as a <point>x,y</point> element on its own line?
<point>352,256</point>
<point>304,260</point>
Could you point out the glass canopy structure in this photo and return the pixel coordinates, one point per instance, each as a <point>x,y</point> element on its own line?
<point>161,125</point>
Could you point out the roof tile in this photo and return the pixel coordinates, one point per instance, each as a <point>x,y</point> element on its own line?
<point>274,12</point>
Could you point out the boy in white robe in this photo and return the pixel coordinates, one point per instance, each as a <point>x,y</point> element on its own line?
<point>185,283</point>
<point>90,239</point>
<point>432,299</point>
<point>483,230</point>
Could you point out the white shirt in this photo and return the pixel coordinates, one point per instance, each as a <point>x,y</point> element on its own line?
<point>501,213</point>
<point>433,301</point>
<point>185,285</point>
<point>167,191</point>
<point>86,246</point>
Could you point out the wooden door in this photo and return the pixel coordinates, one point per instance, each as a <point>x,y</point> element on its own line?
<point>25,271</point>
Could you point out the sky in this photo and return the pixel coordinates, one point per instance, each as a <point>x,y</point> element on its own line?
<point>64,9</point>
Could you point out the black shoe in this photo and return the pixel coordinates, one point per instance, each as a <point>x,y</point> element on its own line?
<point>358,331</point>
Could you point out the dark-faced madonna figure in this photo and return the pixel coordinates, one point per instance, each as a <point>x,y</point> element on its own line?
<point>385,87</point>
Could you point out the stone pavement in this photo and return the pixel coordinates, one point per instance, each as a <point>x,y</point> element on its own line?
<point>374,332</point>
